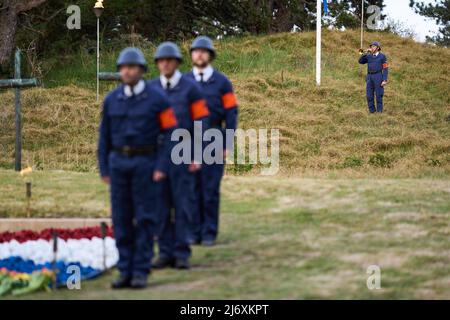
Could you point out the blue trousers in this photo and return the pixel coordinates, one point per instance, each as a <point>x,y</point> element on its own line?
<point>205,222</point>
<point>134,214</point>
<point>373,87</point>
<point>176,210</point>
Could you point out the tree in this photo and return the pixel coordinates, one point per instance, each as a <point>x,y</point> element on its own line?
<point>348,13</point>
<point>439,11</point>
<point>45,26</point>
<point>266,16</point>
<point>9,18</point>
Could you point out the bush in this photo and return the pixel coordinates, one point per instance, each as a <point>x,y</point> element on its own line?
<point>352,162</point>
<point>380,160</point>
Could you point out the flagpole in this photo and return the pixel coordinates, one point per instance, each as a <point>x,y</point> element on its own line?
<point>98,58</point>
<point>98,10</point>
<point>362,24</point>
<point>319,42</point>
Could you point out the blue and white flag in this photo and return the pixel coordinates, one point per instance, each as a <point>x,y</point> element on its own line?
<point>325,6</point>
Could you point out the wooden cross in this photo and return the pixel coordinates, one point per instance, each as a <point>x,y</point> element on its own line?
<point>17,83</point>
<point>109,76</point>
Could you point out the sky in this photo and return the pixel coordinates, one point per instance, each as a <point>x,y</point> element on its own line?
<point>399,10</point>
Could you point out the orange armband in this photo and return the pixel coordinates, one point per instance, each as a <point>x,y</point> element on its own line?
<point>167,119</point>
<point>229,100</point>
<point>199,109</point>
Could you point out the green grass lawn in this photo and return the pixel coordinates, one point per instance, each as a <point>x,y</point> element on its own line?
<point>281,238</point>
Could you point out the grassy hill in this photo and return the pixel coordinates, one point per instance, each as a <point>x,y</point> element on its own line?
<point>290,238</point>
<point>325,131</point>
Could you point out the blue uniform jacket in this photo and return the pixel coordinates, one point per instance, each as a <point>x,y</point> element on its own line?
<point>187,101</point>
<point>135,121</point>
<point>189,105</point>
<point>376,64</point>
<point>221,100</point>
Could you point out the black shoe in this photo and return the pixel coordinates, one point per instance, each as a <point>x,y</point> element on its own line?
<point>121,282</point>
<point>162,263</point>
<point>194,242</point>
<point>208,243</point>
<point>139,282</point>
<point>182,264</point>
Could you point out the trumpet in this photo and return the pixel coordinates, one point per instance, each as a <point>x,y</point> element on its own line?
<point>368,51</point>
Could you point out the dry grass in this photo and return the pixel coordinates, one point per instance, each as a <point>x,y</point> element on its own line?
<point>325,131</point>
<point>59,129</point>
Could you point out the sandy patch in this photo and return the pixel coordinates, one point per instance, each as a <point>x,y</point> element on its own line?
<point>381,259</point>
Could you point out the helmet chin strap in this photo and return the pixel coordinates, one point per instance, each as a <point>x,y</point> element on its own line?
<point>132,85</point>
<point>202,66</point>
<point>170,75</point>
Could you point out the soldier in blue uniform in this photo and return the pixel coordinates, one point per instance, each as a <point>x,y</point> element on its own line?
<point>189,105</point>
<point>222,104</point>
<point>377,76</point>
<point>134,116</point>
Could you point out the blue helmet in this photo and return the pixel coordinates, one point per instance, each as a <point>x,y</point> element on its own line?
<point>204,42</point>
<point>168,50</point>
<point>133,56</point>
<point>376,44</point>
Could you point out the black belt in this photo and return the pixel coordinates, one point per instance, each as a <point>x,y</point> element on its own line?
<point>136,151</point>
<point>373,72</point>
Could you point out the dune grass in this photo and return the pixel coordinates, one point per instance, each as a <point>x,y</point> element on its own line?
<point>326,131</point>
<point>354,190</point>
<point>281,238</point>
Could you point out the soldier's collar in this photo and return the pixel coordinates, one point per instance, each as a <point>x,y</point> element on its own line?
<point>134,91</point>
<point>174,80</point>
<point>207,73</point>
